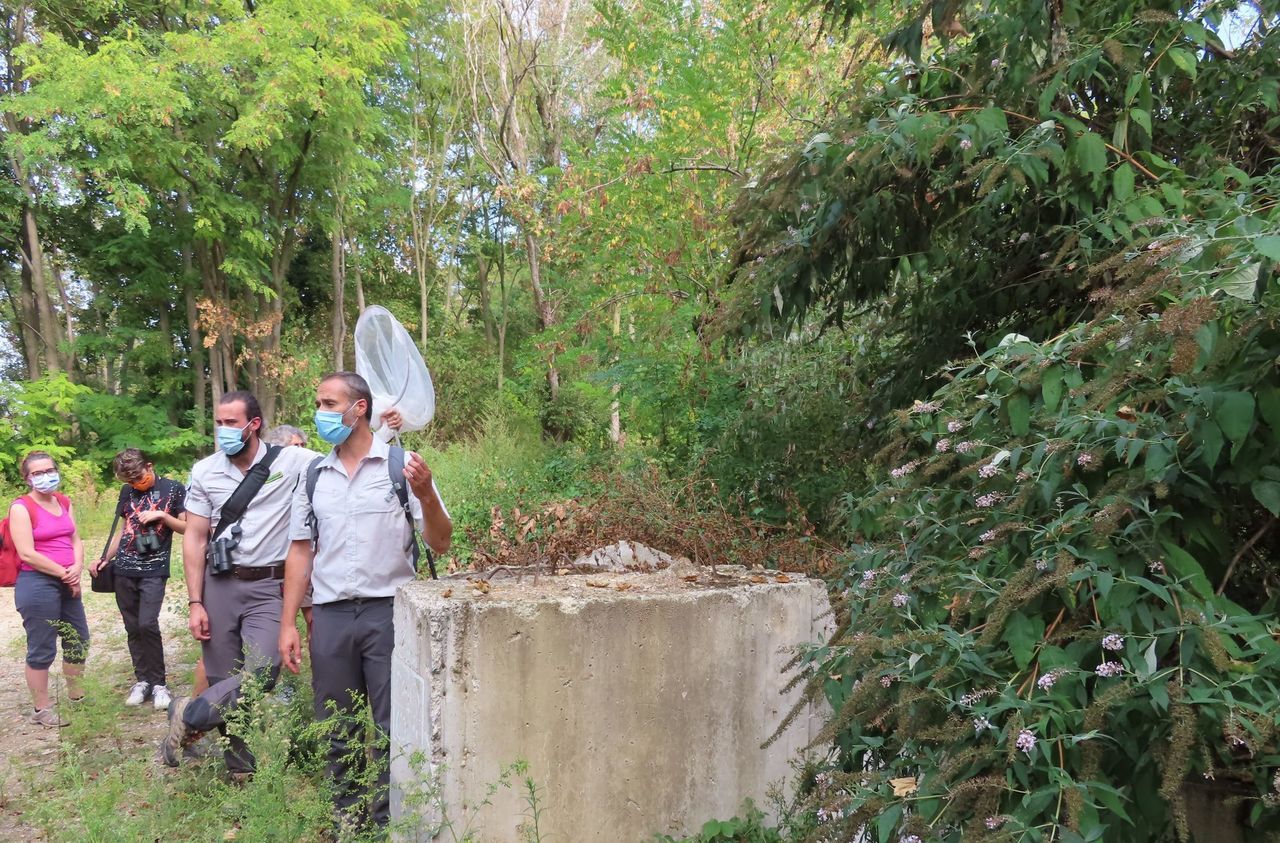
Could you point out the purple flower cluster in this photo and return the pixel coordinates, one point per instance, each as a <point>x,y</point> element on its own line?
<point>993,823</point>
<point>1042,565</point>
<point>965,447</point>
<point>988,536</point>
<point>980,725</point>
<point>904,470</point>
<point>925,406</point>
<point>900,600</point>
<point>942,446</point>
<point>988,471</point>
<point>989,500</point>
<point>1050,679</point>
<point>955,426</point>
<point>1113,642</point>
<point>1085,459</point>
<point>1109,669</point>
<point>1026,741</point>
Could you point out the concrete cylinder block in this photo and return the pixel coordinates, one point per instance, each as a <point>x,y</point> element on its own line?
<point>639,701</point>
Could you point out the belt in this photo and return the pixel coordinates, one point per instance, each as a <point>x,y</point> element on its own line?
<point>353,601</point>
<point>259,572</point>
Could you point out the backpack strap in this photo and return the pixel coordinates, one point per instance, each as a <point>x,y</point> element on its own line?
<point>234,507</point>
<point>313,476</point>
<point>395,471</point>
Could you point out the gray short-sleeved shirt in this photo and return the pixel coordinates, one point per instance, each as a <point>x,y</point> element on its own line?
<point>265,537</point>
<point>363,543</point>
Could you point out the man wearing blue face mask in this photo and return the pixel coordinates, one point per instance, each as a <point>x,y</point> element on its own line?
<point>350,518</point>
<point>238,515</point>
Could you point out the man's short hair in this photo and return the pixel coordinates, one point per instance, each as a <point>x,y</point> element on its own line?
<point>283,434</point>
<point>357,389</point>
<point>129,463</point>
<point>252,410</point>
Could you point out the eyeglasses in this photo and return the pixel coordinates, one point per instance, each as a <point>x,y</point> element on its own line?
<point>44,471</point>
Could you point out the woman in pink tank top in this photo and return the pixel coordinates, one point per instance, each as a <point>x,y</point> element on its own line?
<point>47,593</point>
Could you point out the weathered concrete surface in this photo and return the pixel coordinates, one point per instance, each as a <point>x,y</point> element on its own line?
<point>640,701</point>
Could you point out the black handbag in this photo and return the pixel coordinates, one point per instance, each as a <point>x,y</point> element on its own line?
<point>104,582</point>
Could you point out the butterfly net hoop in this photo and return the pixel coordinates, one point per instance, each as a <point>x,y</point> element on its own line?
<point>387,358</point>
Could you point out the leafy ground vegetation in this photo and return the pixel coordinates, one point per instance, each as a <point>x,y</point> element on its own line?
<point>969,307</point>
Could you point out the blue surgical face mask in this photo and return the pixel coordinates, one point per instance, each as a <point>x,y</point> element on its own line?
<point>230,439</point>
<point>330,426</point>
<point>46,483</point>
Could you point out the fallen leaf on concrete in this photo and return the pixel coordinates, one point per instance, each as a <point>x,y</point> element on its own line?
<point>783,578</point>
<point>758,579</point>
<point>690,578</point>
<point>482,586</point>
<point>624,586</point>
<point>904,786</point>
<point>562,572</point>
<point>448,592</point>
<point>595,584</point>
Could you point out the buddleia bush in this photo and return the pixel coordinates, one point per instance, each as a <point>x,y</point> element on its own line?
<point>1046,627</point>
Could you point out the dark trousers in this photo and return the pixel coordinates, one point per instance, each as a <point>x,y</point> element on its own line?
<point>139,600</point>
<point>50,612</point>
<point>244,634</point>
<point>351,660</point>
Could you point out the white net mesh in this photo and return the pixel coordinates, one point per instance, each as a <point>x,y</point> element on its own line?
<point>387,358</point>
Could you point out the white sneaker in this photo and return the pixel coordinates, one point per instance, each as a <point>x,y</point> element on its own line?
<point>160,698</point>
<point>137,694</point>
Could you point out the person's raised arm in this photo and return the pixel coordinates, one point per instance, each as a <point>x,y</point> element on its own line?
<point>437,527</point>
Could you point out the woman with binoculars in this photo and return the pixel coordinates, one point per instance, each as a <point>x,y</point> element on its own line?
<point>152,509</point>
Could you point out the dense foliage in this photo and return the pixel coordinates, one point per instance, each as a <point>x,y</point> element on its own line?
<point>985,291</point>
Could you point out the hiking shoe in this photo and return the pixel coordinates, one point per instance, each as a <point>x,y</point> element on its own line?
<point>137,694</point>
<point>47,717</point>
<point>179,736</point>
<point>160,698</point>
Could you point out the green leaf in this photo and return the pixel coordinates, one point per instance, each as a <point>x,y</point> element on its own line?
<point>1267,493</point>
<point>1184,60</point>
<point>1210,437</point>
<point>1019,408</point>
<point>1241,282</point>
<point>1142,117</point>
<point>888,821</point>
<point>1235,414</point>
<point>1269,407</point>
<point>991,121</point>
<point>1090,154</point>
<point>1158,458</point>
<point>1022,634</point>
<point>1185,566</point>
<point>1268,247</point>
<point>1051,387</point>
<point>1122,182</point>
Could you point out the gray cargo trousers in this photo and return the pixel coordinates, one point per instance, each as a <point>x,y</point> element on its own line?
<point>244,629</point>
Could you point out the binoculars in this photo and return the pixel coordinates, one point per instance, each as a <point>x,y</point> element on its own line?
<point>148,540</point>
<point>217,554</point>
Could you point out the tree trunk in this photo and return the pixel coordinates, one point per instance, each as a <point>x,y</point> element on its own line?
<point>339,299</point>
<point>68,316</point>
<point>29,325</point>
<point>355,252</point>
<point>486,304</point>
<point>615,408</point>
<point>33,257</point>
<point>195,346</point>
